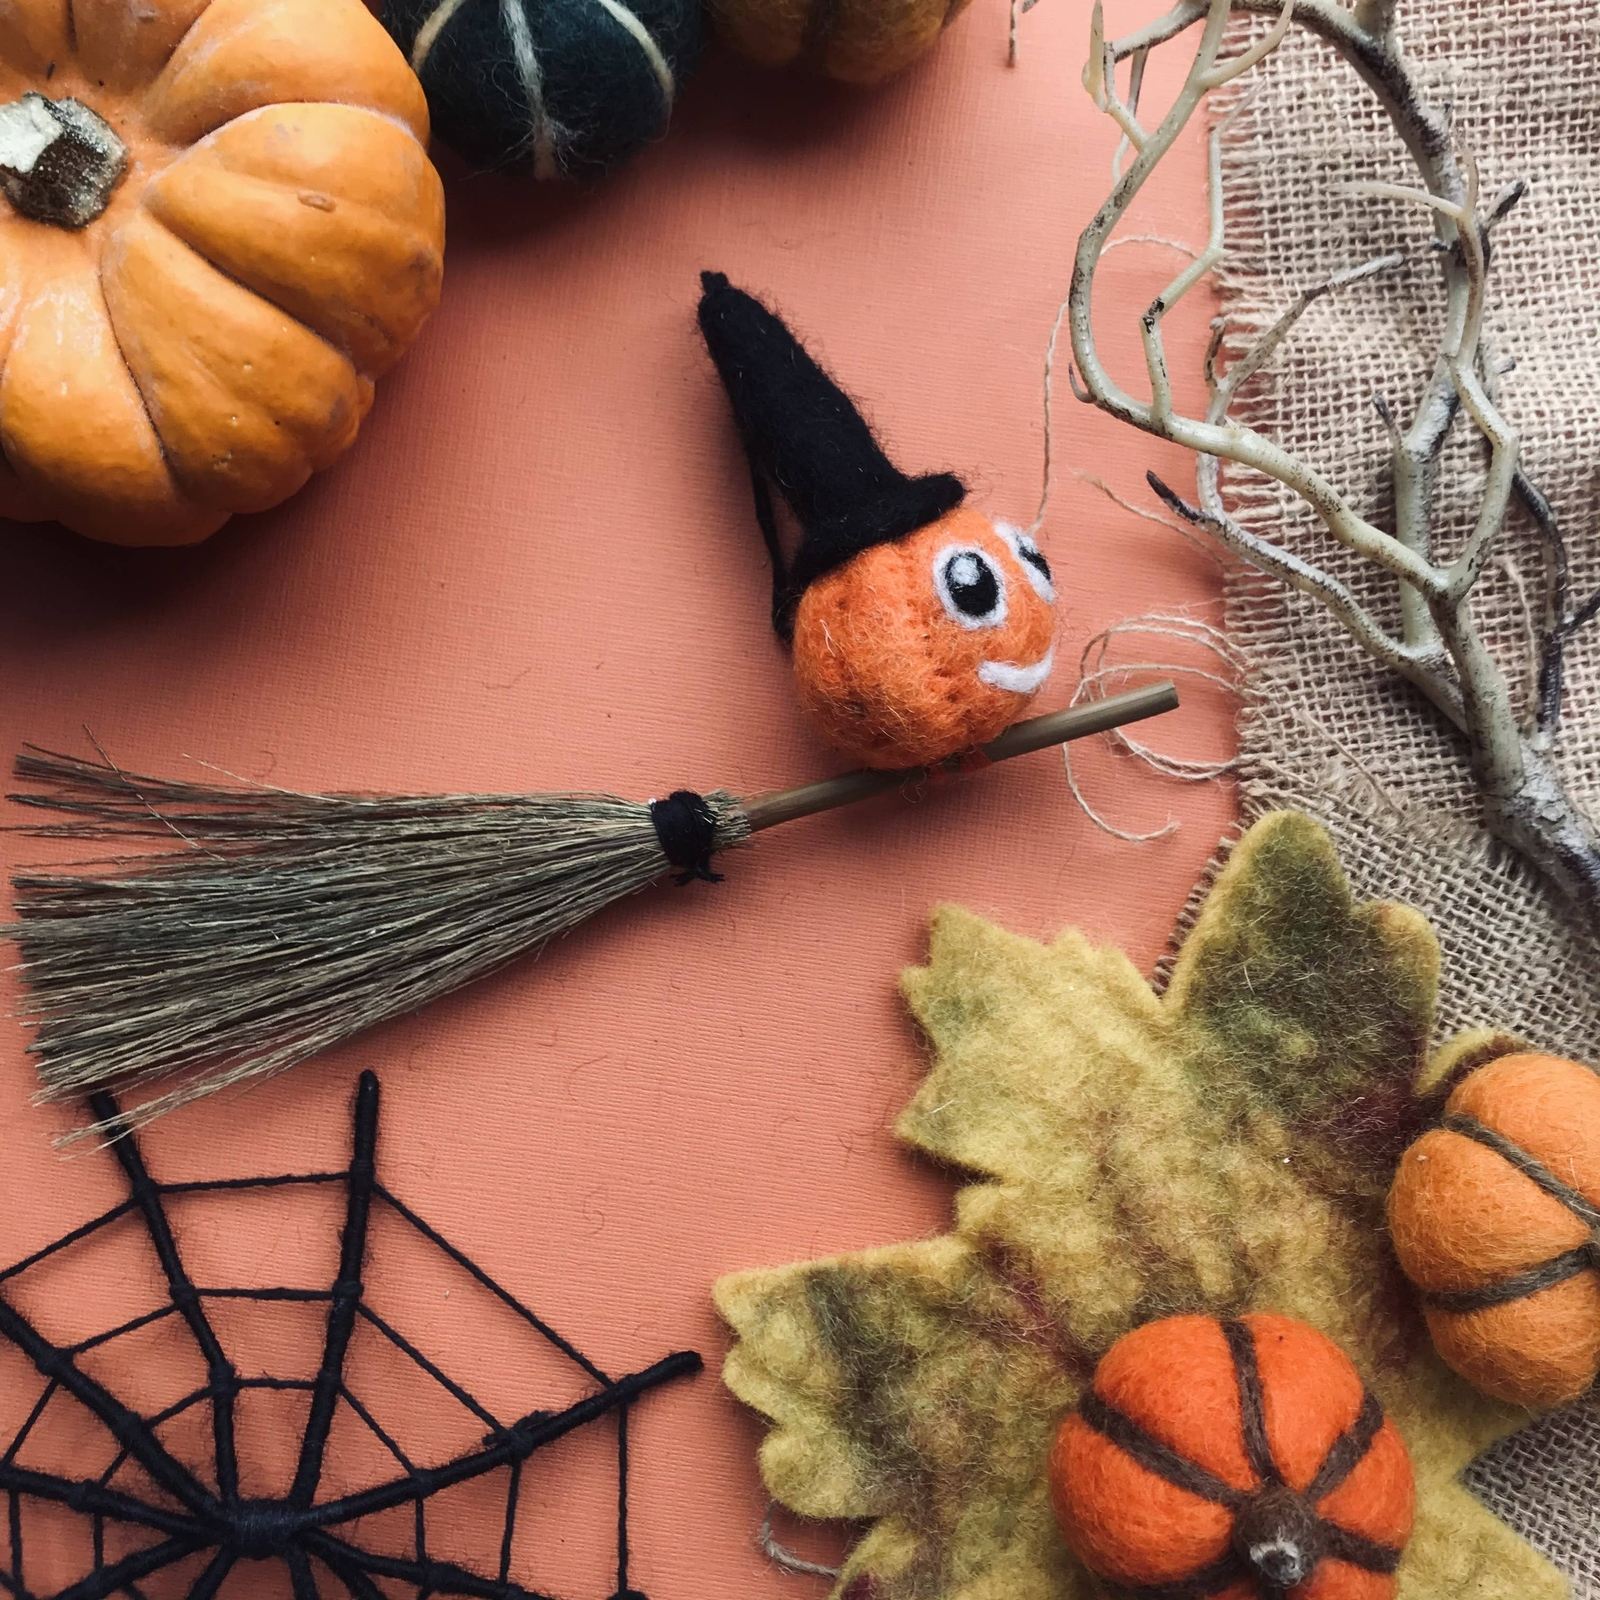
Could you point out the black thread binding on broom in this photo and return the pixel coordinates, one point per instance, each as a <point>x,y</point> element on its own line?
<point>686,825</point>
<point>298,1530</point>
<point>1547,1274</point>
<point>1344,1455</point>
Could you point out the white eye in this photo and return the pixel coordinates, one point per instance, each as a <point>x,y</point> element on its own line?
<point>1030,558</point>
<point>971,588</point>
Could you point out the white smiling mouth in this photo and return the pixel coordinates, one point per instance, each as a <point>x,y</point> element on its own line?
<point>1018,679</point>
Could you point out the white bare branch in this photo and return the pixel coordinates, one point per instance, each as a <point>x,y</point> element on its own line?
<point>1439,648</point>
<point>1246,366</point>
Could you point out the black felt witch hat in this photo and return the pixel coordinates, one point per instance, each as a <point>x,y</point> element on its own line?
<point>808,442</point>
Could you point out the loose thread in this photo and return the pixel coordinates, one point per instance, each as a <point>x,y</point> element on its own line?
<point>1207,547</point>
<point>780,1556</point>
<point>1098,675</point>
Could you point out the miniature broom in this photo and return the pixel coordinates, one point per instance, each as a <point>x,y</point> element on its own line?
<point>286,923</point>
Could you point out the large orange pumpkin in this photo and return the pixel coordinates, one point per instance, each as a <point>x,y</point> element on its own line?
<point>219,224</point>
<point>1238,1459</point>
<point>1496,1219</point>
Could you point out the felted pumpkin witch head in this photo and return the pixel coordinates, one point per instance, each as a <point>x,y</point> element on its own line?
<point>920,628</point>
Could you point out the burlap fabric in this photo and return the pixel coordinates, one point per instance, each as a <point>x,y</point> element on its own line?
<point>1323,729</point>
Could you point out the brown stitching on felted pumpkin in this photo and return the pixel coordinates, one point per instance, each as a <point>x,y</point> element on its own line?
<point>1348,1451</point>
<point>1252,1404</point>
<point>1337,1544</point>
<point>1547,1275</point>
<point>1340,1544</point>
<point>1154,1456</point>
<point>1527,1165</point>
<point>1489,1050</point>
<point>1209,1581</point>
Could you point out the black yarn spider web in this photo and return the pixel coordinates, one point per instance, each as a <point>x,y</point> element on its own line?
<point>299,1529</point>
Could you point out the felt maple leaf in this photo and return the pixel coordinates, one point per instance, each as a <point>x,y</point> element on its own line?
<point>1224,1146</point>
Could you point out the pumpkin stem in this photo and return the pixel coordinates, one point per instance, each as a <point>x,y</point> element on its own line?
<point>1276,1535</point>
<point>59,161</point>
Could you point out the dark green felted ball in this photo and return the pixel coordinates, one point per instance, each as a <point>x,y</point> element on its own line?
<point>558,88</point>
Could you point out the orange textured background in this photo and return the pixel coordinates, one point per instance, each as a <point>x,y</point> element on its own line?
<point>538,569</point>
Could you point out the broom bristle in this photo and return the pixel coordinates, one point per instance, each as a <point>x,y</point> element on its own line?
<point>280,924</point>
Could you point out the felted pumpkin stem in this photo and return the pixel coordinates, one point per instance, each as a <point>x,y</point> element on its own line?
<point>59,161</point>
<point>1276,1535</point>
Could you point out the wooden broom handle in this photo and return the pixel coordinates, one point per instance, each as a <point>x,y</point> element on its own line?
<point>1038,733</point>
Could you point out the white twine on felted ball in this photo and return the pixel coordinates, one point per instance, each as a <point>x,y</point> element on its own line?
<point>546,137</point>
<point>542,127</point>
<point>652,51</point>
<point>428,33</point>
<point>1098,677</point>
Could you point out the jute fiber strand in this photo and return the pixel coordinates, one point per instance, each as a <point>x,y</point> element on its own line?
<point>1325,730</point>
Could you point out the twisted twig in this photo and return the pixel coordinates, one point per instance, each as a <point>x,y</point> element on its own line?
<point>1439,648</point>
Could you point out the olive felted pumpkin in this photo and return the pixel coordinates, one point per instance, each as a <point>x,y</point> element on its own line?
<point>1496,1219</point>
<point>1239,1459</point>
<point>920,628</point>
<point>219,226</point>
<point>855,41</point>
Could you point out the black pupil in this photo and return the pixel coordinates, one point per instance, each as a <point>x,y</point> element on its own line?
<point>972,584</point>
<point>1034,556</point>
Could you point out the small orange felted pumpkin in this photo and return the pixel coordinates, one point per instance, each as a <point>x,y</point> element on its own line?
<point>920,628</point>
<point>219,224</point>
<point>927,645</point>
<point>1239,1460</point>
<point>1496,1219</point>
